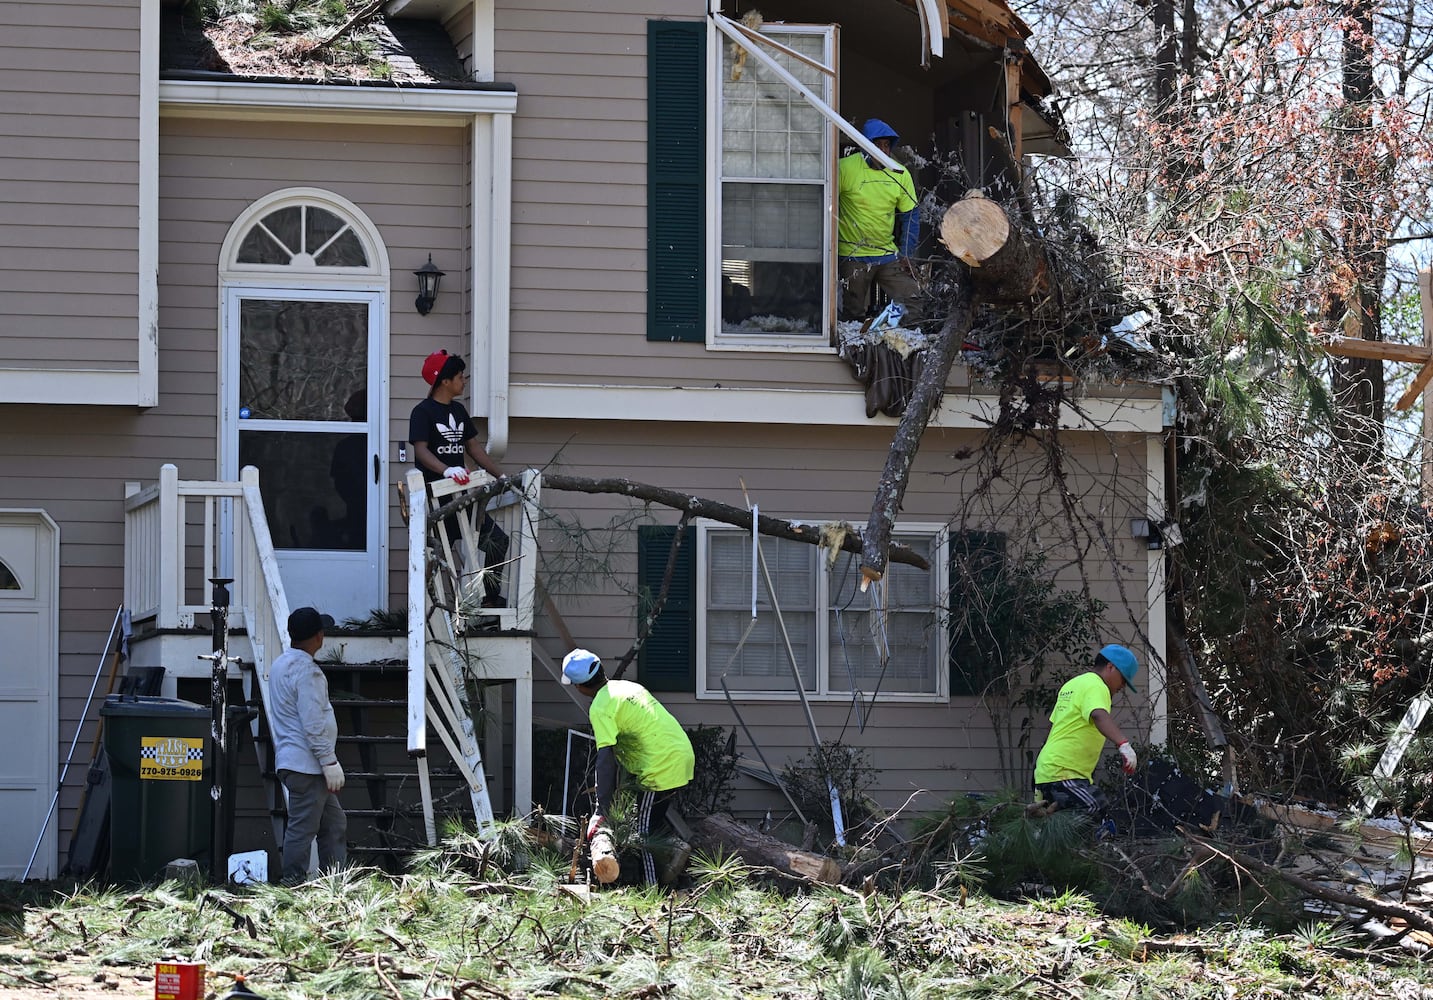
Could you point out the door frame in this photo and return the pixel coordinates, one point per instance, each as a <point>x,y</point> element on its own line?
<point>49,852</point>
<point>375,293</point>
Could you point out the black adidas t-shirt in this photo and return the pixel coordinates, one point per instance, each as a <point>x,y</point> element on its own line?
<point>445,428</point>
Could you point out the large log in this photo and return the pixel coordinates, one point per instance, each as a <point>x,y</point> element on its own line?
<point>755,848</point>
<point>1007,266</point>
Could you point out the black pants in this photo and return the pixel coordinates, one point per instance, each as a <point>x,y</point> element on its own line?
<point>652,818</point>
<point>1075,793</point>
<point>493,544</point>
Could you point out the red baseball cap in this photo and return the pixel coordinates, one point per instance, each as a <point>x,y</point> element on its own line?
<point>434,364</point>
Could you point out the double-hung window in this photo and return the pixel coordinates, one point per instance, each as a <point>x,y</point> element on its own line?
<point>772,245</point>
<point>838,644</point>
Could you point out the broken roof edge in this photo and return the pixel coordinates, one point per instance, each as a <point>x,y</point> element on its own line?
<point>218,76</point>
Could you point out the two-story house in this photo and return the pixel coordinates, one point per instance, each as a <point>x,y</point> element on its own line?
<point>214,267</point>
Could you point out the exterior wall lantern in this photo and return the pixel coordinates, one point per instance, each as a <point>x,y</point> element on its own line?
<point>428,278</point>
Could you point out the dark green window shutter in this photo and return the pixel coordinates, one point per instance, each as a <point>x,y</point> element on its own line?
<point>676,180</point>
<point>977,564</point>
<point>668,659</point>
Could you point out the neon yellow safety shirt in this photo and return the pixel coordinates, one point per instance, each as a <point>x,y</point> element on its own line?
<point>870,201</point>
<point>1074,746</point>
<point>648,741</point>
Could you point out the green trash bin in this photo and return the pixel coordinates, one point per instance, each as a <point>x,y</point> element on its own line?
<point>161,773</point>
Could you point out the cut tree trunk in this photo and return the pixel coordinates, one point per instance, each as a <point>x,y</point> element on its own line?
<point>604,857</point>
<point>1006,265</point>
<point>891,490</point>
<point>721,831</point>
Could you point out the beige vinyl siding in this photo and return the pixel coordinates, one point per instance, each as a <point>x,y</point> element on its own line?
<point>827,473</point>
<point>579,276</point>
<point>412,183</point>
<point>73,463</point>
<point>69,184</point>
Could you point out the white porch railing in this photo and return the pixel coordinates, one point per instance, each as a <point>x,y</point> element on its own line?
<point>445,589</point>
<point>159,566</point>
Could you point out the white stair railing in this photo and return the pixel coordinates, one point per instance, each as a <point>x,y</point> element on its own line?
<point>445,588</point>
<point>161,573</point>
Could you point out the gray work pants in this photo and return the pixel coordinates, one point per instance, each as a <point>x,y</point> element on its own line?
<point>893,279</point>
<point>313,812</point>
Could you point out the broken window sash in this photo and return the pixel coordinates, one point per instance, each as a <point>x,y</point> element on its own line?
<point>745,39</point>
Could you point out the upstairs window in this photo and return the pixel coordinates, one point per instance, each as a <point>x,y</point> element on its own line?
<point>774,191</point>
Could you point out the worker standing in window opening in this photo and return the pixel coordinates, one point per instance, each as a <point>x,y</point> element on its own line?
<point>878,229</point>
<point>1079,725</point>
<point>631,727</point>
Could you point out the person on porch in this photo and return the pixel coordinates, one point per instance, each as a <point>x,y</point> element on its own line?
<point>631,727</point>
<point>443,438</point>
<point>1079,725</point>
<point>878,229</point>
<point>305,735</point>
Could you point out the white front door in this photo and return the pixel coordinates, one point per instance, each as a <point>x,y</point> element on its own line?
<point>29,678</point>
<point>304,403</point>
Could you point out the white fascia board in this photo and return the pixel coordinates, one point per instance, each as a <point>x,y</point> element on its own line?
<point>72,386</point>
<point>831,407</point>
<point>330,103</point>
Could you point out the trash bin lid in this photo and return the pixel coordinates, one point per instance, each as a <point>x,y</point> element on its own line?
<point>149,706</point>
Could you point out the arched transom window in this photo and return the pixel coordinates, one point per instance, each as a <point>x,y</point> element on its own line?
<point>8,580</point>
<point>303,236</point>
<point>299,233</point>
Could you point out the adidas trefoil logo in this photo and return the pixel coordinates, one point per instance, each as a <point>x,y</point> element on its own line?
<point>451,431</point>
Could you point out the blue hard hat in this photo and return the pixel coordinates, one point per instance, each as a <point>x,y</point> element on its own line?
<point>1124,662</point>
<point>579,666</point>
<point>876,129</point>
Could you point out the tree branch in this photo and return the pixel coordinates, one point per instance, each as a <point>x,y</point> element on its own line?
<point>702,507</point>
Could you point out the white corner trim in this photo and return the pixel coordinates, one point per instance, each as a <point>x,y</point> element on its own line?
<point>147,390</point>
<point>71,386</point>
<point>485,51</point>
<point>833,407</point>
<point>492,269</point>
<point>330,103</point>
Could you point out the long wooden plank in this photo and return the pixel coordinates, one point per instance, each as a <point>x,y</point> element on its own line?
<point>1415,388</point>
<point>1357,347</point>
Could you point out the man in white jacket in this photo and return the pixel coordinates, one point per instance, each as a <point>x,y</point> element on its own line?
<point>305,736</point>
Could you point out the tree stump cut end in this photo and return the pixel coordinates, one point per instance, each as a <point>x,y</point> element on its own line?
<point>974,229</point>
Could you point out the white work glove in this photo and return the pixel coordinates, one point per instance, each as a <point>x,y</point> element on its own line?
<point>457,474</point>
<point>596,822</point>
<point>333,777</point>
<point>1128,757</point>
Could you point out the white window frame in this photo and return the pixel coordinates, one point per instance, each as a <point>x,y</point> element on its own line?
<point>717,340</point>
<point>824,692</point>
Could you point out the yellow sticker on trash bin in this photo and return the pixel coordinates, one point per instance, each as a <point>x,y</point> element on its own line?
<point>171,758</point>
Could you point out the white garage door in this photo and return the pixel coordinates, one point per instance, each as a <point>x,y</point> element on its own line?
<point>29,678</point>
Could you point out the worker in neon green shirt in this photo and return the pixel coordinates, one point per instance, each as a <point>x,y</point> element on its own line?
<point>631,727</point>
<point>1079,725</point>
<point>877,227</point>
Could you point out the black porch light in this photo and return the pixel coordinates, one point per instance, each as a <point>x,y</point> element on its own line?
<point>428,278</point>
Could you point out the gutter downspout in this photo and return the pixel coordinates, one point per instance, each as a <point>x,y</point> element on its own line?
<point>492,266</point>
